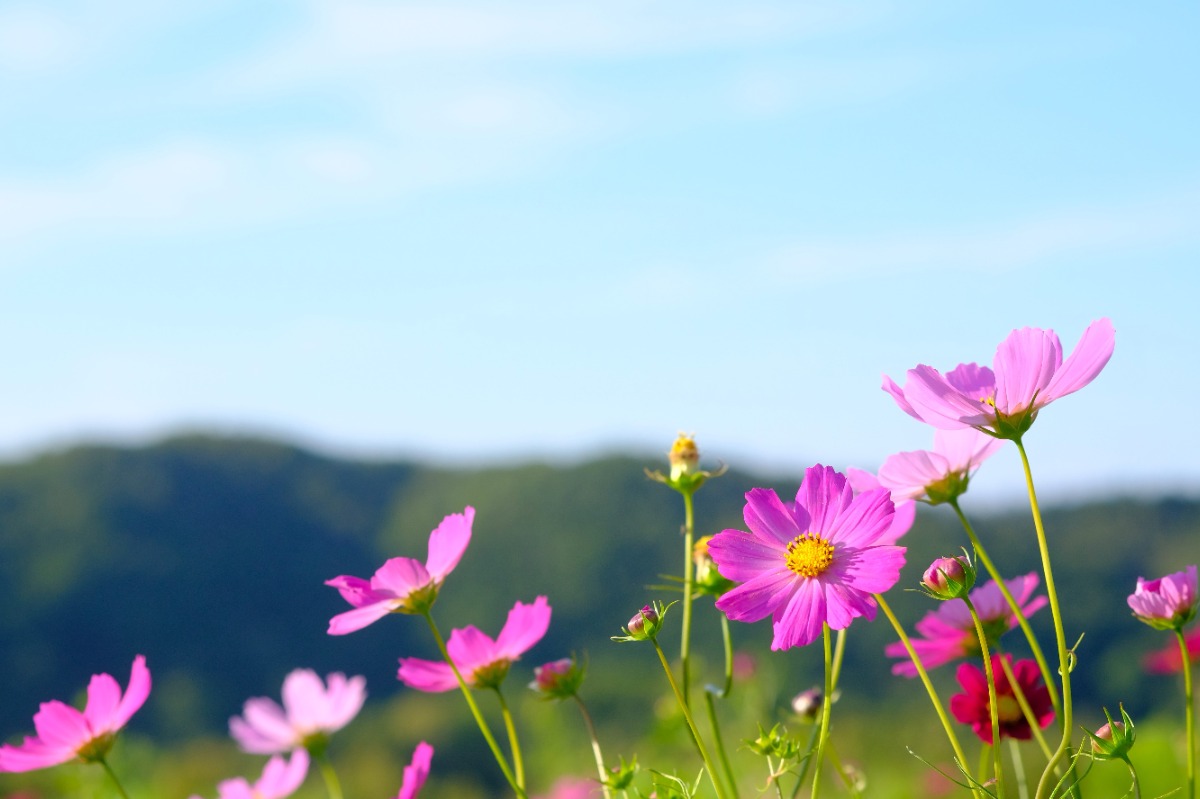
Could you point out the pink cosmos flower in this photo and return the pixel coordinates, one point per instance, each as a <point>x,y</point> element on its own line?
<point>941,474</point>
<point>482,662</point>
<point>572,788</point>
<point>1168,660</point>
<point>906,510</point>
<point>949,632</point>
<point>972,706</point>
<point>1167,603</point>
<point>403,585</point>
<point>416,772</point>
<point>310,713</point>
<point>1027,374</point>
<point>279,779</point>
<point>63,733</point>
<point>812,562</point>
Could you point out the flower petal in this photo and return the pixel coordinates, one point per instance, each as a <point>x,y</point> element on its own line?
<point>263,729</point>
<point>740,556</point>
<point>1025,363</point>
<point>942,405</point>
<point>135,695</point>
<point>824,494</point>
<point>400,576</point>
<point>280,778</point>
<point>448,542</point>
<point>60,725</point>
<point>358,618</point>
<point>427,675</point>
<point>801,620</point>
<point>759,597</point>
<point>416,772</point>
<point>1082,366</point>
<point>526,625</point>
<point>768,518</point>
<point>33,754</point>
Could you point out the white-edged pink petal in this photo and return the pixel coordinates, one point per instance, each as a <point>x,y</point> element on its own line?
<point>448,542</point>
<point>897,394</point>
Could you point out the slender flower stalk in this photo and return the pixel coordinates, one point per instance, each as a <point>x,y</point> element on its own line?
<point>112,777</point>
<point>1065,658</point>
<point>826,707</point>
<point>513,742</point>
<point>689,534</point>
<point>591,728</point>
<point>479,721</point>
<point>933,697</point>
<point>1189,715</point>
<point>993,706</point>
<point>710,695</point>
<point>687,715</point>
<point>332,784</point>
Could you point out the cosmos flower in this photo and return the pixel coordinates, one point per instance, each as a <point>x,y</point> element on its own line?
<point>64,733</point>
<point>310,713</point>
<point>812,562</point>
<point>941,474</point>
<point>906,510</point>
<point>971,707</point>
<point>403,585</point>
<point>1167,603</point>
<point>1027,374</point>
<point>416,772</point>
<point>279,779</point>
<point>1169,660</point>
<point>482,662</point>
<point>949,632</point>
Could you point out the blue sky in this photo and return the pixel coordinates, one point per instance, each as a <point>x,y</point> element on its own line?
<point>482,231</point>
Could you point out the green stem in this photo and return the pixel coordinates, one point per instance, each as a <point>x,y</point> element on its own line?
<point>1018,762</point>
<point>1137,786</point>
<point>1189,716</point>
<point>808,758</point>
<point>1047,782</point>
<point>591,728</point>
<point>933,697</point>
<point>687,715</point>
<point>332,784</point>
<point>826,706</point>
<point>483,727</point>
<point>839,652</point>
<point>112,776</point>
<point>993,709</point>
<point>722,755</point>
<point>1013,605</point>
<point>689,533</point>
<point>513,743</point>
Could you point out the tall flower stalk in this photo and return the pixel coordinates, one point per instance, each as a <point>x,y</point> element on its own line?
<point>1189,710</point>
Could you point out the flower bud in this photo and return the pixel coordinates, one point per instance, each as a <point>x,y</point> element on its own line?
<point>684,456</point>
<point>949,578</point>
<point>645,624</point>
<point>708,579</point>
<point>1114,740</point>
<point>557,679</point>
<point>807,704</point>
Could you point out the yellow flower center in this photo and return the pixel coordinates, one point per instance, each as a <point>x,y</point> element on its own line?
<point>808,555</point>
<point>1008,709</point>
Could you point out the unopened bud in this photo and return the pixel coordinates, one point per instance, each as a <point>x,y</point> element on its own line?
<point>949,578</point>
<point>557,679</point>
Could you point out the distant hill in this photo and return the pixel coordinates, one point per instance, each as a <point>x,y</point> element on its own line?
<point>208,555</point>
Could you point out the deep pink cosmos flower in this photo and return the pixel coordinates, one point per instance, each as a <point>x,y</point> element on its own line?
<point>416,772</point>
<point>482,662</point>
<point>971,706</point>
<point>949,632</point>
<point>1027,374</point>
<point>811,562</point>
<point>403,585</point>
<point>1169,660</point>
<point>310,713</point>
<point>941,474</point>
<point>906,510</point>
<point>1167,603</point>
<point>63,733</point>
<point>279,779</point>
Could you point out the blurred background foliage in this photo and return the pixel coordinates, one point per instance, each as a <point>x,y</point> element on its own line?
<point>208,555</point>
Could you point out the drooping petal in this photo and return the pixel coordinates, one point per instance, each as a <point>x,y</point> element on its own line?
<point>448,542</point>
<point>801,620</point>
<point>769,519</point>
<point>897,394</point>
<point>428,675</point>
<point>1082,366</point>
<point>356,619</point>
<point>416,772</point>
<point>759,597</point>
<point>740,556</point>
<point>526,625</point>
<point>33,754</point>
<point>1025,363</point>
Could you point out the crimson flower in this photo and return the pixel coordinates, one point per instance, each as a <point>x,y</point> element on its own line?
<point>1169,660</point>
<point>63,733</point>
<point>482,662</point>
<point>1027,374</point>
<point>972,707</point>
<point>403,585</point>
<point>310,713</point>
<point>809,563</point>
<point>949,632</point>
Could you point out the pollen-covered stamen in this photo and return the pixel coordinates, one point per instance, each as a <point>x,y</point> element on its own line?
<point>808,555</point>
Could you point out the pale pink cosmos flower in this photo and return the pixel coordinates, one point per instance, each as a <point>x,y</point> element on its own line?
<point>572,788</point>
<point>310,713</point>
<point>812,562</point>
<point>1027,374</point>
<point>941,474</point>
<point>63,733</point>
<point>279,779</point>
<point>403,585</point>
<point>906,510</point>
<point>416,772</point>
<point>482,662</point>
<point>1167,603</point>
<point>948,633</point>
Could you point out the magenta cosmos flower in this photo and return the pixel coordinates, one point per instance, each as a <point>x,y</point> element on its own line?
<point>403,585</point>
<point>812,562</point>
<point>972,706</point>
<point>416,772</point>
<point>1167,603</point>
<point>279,779</point>
<point>949,632</point>
<point>941,474</point>
<point>1027,374</point>
<point>906,510</point>
<point>63,733</point>
<point>482,662</point>
<point>1169,659</point>
<point>310,713</point>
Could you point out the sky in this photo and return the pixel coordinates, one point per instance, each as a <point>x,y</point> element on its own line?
<point>489,232</point>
